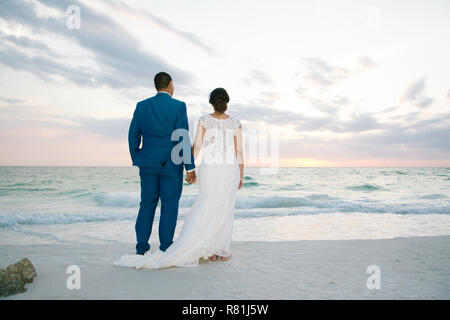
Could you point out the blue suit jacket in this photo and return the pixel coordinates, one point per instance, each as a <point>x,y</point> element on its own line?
<point>154,120</point>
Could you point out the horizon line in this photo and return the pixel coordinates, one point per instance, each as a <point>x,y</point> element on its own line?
<point>107,166</point>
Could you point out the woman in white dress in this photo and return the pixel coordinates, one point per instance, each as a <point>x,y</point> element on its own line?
<point>207,229</point>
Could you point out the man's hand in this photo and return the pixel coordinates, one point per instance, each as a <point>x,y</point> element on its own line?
<point>191,177</point>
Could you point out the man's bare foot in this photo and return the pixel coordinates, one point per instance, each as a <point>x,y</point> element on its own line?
<point>225,258</point>
<point>213,258</point>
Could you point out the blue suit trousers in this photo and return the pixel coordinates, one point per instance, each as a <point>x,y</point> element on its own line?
<point>165,183</point>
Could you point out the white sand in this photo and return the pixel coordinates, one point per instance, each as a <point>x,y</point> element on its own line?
<point>411,268</point>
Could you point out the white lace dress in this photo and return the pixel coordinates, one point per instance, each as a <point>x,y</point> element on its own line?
<point>208,226</point>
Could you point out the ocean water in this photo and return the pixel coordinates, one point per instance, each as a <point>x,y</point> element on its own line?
<point>100,204</point>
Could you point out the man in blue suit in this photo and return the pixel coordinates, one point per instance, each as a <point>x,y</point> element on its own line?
<point>155,121</point>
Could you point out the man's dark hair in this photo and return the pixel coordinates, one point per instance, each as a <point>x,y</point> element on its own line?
<point>162,80</point>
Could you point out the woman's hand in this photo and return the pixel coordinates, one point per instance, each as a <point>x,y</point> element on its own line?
<point>241,182</point>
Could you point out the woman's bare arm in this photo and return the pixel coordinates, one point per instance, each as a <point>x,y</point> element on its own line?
<point>239,153</point>
<point>198,141</point>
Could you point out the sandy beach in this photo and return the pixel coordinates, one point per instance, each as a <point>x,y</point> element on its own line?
<point>410,268</point>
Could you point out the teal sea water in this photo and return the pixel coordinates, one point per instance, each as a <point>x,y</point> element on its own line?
<point>54,202</point>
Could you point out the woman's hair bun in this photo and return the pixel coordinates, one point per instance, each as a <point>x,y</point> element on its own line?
<point>219,99</point>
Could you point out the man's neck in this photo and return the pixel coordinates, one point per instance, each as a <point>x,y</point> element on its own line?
<point>165,92</point>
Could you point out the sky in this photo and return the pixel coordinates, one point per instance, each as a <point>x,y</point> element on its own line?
<point>338,83</point>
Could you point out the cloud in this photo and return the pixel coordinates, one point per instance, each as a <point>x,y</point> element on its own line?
<point>366,62</point>
<point>301,123</point>
<point>426,134</point>
<point>266,98</point>
<point>360,123</point>
<point>424,140</point>
<point>322,73</point>
<point>259,77</point>
<point>366,136</point>
<point>387,110</point>
<point>415,89</point>
<point>11,100</point>
<point>190,37</point>
<point>341,100</point>
<point>45,68</point>
<point>330,107</point>
<point>260,113</point>
<point>19,117</point>
<point>415,93</point>
<point>425,102</point>
<point>24,42</point>
<point>122,63</point>
<point>115,128</point>
<point>144,14</point>
<point>322,105</point>
<point>301,90</point>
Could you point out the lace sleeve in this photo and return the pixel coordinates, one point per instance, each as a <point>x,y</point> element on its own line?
<point>238,145</point>
<point>198,141</point>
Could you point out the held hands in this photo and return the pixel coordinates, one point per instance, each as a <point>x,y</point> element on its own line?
<point>191,178</point>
